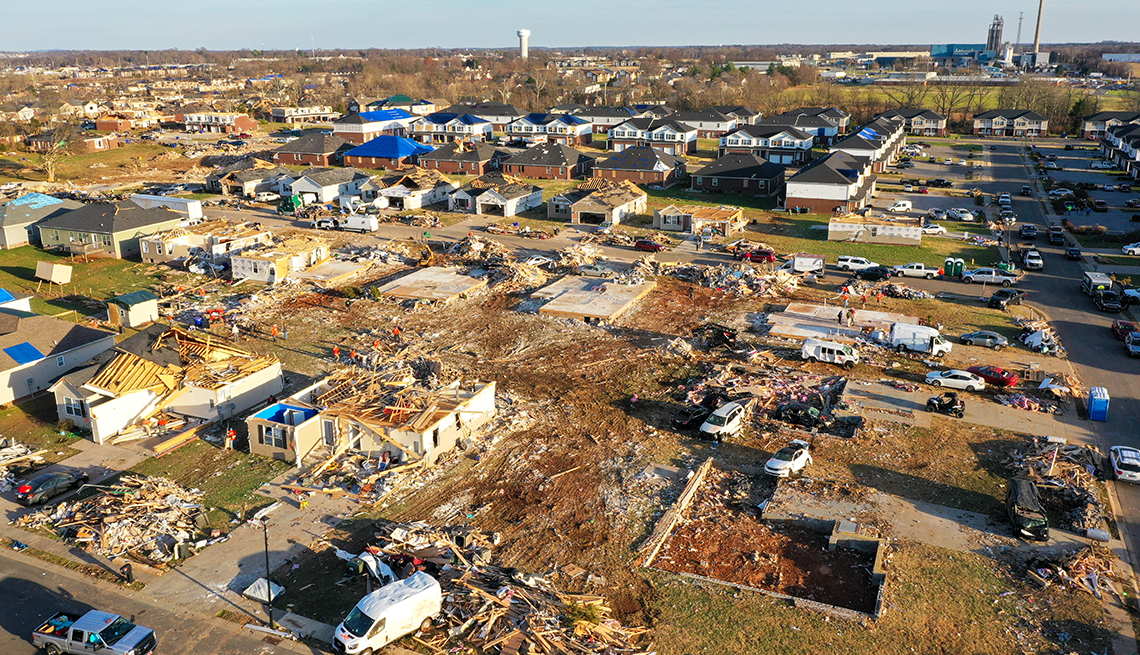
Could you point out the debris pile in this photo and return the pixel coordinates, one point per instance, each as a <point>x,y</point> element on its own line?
<point>1039,336</point>
<point>392,252</point>
<point>740,279</point>
<point>477,248</point>
<point>904,292</point>
<point>485,605</point>
<point>142,518</point>
<point>517,230</point>
<point>417,220</point>
<point>15,460</point>
<point>1089,569</point>
<point>518,276</point>
<point>1068,470</point>
<point>1021,401</point>
<point>577,255</point>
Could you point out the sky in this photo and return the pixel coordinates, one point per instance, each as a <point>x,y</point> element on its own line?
<point>285,24</point>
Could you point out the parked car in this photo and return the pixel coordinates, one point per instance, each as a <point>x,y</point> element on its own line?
<point>933,228</point>
<point>761,255</point>
<point>998,377</point>
<point>955,379</point>
<point>1132,344</point>
<point>914,269</point>
<point>726,421</point>
<point>1032,261</point>
<point>593,270</point>
<point>1125,463</point>
<point>1009,296</point>
<point>905,164</point>
<point>1100,206</point>
<point>873,274</point>
<point>936,214</point>
<point>803,415</point>
<point>1131,249</point>
<point>849,263</point>
<point>325,224</point>
<point>1120,328</point>
<point>1073,254</point>
<point>648,245</point>
<point>1133,203</point>
<point>1061,192</point>
<point>985,338</point>
<point>1025,511</point>
<point>940,183</point>
<point>960,214</point>
<point>1027,232</point>
<point>1007,216</point>
<point>1109,187</point>
<point>691,416</point>
<point>245,135</point>
<point>948,161</point>
<point>49,485</point>
<point>1026,190</point>
<point>792,458</point>
<point>1108,301</point>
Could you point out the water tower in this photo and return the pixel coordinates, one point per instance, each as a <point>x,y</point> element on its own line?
<point>524,37</point>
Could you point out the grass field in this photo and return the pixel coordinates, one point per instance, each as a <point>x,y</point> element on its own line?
<point>23,166</point>
<point>34,422</point>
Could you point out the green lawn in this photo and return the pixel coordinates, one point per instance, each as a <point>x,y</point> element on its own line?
<point>98,279</point>
<point>969,147</point>
<point>34,422</point>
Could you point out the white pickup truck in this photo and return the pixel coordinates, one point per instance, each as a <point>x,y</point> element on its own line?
<point>914,269</point>
<point>94,633</point>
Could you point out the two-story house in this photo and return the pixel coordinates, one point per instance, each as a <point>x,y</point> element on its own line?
<point>839,182</point>
<point>664,134</point>
<point>710,123</point>
<point>499,114</point>
<point>1121,145</point>
<point>775,143</point>
<point>310,114</point>
<point>878,141</point>
<point>740,173</point>
<point>223,122</point>
<point>1097,126</point>
<point>919,122</point>
<point>1011,122</point>
<point>602,118</point>
<point>741,114</point>
<point>823,131</point>
<point>566,129</point>
<point>360,128</point>
<point>838,117</point>
<point>444,127</point>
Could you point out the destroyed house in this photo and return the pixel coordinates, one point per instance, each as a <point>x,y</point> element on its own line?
<point>465,157</point>
<point>163,370</point>
<point>598,200</point>
<point>497,195</point>
<point>276,261</point>
<point>694,219</point>
<point>212,241</point>
<point>248,177</point>
<point>327,184</point>
<point>18,218</point>
<point>384,415</point>
<point>412,187</point>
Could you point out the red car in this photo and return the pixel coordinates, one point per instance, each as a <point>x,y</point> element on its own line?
<point>1122,328</point>
<point>244,135</point>
<point>648,246</point>
<point>757,256</point>
<point>998,377</point>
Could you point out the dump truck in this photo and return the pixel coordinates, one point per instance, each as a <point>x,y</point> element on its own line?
<point>93,632</point>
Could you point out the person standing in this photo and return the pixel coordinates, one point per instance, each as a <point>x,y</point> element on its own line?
<point>850,318</point>
<point>841,312</point>
<point>274,332</point>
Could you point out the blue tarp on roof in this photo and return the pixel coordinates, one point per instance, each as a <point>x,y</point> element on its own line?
<point>385,115</point>
<point>6,296</point>
<point>446,117</point>
<point>389,147</point>
<point>24,353</point>
<point>35,201</point>
<point>276,413</point>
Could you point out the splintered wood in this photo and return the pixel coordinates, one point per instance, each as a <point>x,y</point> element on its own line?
<point>487,606</point>
<point>16,459</point>
<point>1068,474</point>
<point>141,518</point>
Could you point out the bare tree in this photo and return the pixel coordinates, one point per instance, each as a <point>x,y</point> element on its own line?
<point>60,146</point>
<point>909,95</point>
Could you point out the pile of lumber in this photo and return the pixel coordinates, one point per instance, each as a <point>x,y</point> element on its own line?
<point>577,255</point>
<point>476,248</point>
<point>487,606</point>
<point>141,518</point>
<point>1089,569</point>
<point>1067,470</point>
<point>517,276</point>
<point>16,459</point>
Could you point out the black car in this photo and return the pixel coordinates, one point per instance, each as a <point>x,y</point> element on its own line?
<point>1073,254</point>
<point>1027,190</point>
<point>691,417</point>
<point>801,414</point>
<point>44,487</point>
<point>873,273</point>
<point>941,183</point>
<point>1028,231</point>
<point>1108,301</point>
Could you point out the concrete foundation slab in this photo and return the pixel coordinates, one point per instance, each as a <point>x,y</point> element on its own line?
<point>801,320</point>
<point>435,283</point>
<point>332,273</point>
<point>582,297</point>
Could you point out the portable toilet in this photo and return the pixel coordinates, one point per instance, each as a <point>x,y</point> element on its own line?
<point>953,267</point>
<point>1098,404</point>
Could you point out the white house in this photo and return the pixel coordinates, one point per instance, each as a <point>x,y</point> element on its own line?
<point>274,262</point>
<point>665,134</point>
<point>35,350</point>
<point>838,182</point>
<point>875,229</point>
<point>413,187</point>
<point>496,194</point>
<point>133,309</point>
<point>327,184</point>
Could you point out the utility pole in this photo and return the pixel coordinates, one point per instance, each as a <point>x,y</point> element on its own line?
<point>268,582</point>
<point>1017,44</point>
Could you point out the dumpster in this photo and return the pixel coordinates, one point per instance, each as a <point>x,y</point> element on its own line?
<point>1098,404</point>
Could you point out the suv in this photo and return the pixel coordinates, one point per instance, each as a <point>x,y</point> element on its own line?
<point>1056,236</point>
<point>759,255</point>
<point>1108,300</point>
<point>1100,206</point>
<point>989,276</point>
<point>1125,463</point>
<point>727,421</point>
<point>1025,511</point>
<point>648,245</point>
<point>1026,190</point>
<point>1027,232</point>
<point>1032,261</point>
<point>849,263</point>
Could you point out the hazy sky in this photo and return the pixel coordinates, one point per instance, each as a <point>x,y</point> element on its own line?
<point>280,24</point>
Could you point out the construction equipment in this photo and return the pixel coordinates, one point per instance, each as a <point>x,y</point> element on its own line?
<point>428,256</point>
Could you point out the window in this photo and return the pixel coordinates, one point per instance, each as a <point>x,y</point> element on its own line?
<point>73,407</point>
<point>145,246</point>
<point>715,181</point>
<point>59,361</point>
<point>700,180</point>
<point>106,239</point>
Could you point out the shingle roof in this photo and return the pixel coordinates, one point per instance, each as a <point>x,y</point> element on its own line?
<point>907,113</point>
<point>134,298</point>
<point>798,121</point>
<point>1010,114</point>
<point>49,336</point>
<point>472,152</point>
<point>110,218</point>
<point>1122,116</point>
<point>649,124</point>
<point>32,207</point>
<point>765,131</point>
<point>549,154</point>
<point>443,117</point>
<point>488,108</point>
<point>640,158</point>
<point>836,168</point>
<point>699,115</point>
<point>505,185</point>
<point>741,166</point>
<point>315,144</point>
<point>735,110</point>
<point>389,147</point>
<point>604,192</point>
<point>330,176</point>
<point>379,116</point>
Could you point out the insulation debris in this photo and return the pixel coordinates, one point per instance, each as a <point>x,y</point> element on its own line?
<point>1088,569</point>
<point>576,255</point>
<point>516,277</point>
<point>477,248</point>
<point>517,230</point>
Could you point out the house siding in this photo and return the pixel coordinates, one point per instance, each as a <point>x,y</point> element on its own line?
<point>662,178</point>
<point>22,381</point>
<point>549,172</point>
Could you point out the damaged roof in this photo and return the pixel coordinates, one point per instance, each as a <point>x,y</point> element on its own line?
<point>549,154</point>
<point>48,336</point>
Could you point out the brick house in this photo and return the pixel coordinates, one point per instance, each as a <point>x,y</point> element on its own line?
<point>360,128</point>
<point>1011,122</point>
<point>838,182</point>
<point>444,127</point>
<point>79,142</point>
<point>552,128</point>
<point>114,124</point>
<point>919,122</point>
<point>313,149</point>
<point>220,122</point>
<point>387,151</point>
<point>740,173</point>
<point>596,201</point>
<point>642,165</point>
<point>667,135</point>
<point>466,158</point>
<point>549,161</point>
<point>778,144</point>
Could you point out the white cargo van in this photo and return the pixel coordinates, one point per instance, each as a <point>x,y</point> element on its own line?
<point>359,223</point>
<point>818,350</point>
<point>1094,282</point>
<point>389,613</point>
<point>919,338</point>
<point>901,206</point>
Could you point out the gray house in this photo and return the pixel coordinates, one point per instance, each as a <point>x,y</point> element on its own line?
<point>18,218</point>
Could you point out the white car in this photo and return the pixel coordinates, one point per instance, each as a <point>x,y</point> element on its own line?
<point>960,214</point>
<point>955,379</point>
<point>933,228</point>
<point>790,459</point>
<point>849,263</point>
<point>1061,193</point>
<point>1131,249</point>
<point>989,276</point>
<point>1033,261</point>
<point>962,162</point>
<point>1125,463</point>
<point>726,421</point>
<point>948,160</point>
<point>914,269</point>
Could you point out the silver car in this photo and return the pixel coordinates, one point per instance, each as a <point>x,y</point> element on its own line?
<point>955,379</point>
<point>1125,463</point>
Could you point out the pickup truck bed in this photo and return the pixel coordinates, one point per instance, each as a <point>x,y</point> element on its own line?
<point>57,625</point>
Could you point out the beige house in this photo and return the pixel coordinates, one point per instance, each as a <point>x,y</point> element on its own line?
<point>693,219</point>
<point>277,260</point>
<point>598,200</point>
<point>106,229</point>
<point>35,350</point>
<point>384,416</point>
<point>213,241</point>
<point>875,229</point>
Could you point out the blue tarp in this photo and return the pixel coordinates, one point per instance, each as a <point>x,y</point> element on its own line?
<point>276,413</point>
<point>35,201</point>
<point>23,353</point>
<point>385,115</point>
<point>6,296</point>
<point>389,147</point>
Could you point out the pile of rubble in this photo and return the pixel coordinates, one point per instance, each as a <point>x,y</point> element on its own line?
<point>577,255</point>
<point>485,605</point>
<point>517,230</point>
<point>142,518</point>
<point>1089,569</point>
<point>15,460</point>
<point>1038,335</point>
<point>414,220</point>
<point>516,276</point>
<point>739,279</point>
<point>1071,471</point>
<point>903,291</point>
<point>477,248</point>
<point>1021,401</point>
<point>393,252</point>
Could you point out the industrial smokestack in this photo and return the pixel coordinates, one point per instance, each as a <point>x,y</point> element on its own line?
<point>524,37</point>
<point>1037,34</point>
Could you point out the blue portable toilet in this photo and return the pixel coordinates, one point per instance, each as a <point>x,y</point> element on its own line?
<point>1098,404</point>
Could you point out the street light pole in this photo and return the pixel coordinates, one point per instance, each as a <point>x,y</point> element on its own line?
<point>268,582</point>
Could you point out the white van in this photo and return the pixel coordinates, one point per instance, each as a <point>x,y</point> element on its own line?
<point>389,613</point>
<point>818,350</point>
<point>359,223</point>
<point>1094,282</point>
<point>901,206</point>
<point>909,337</point>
